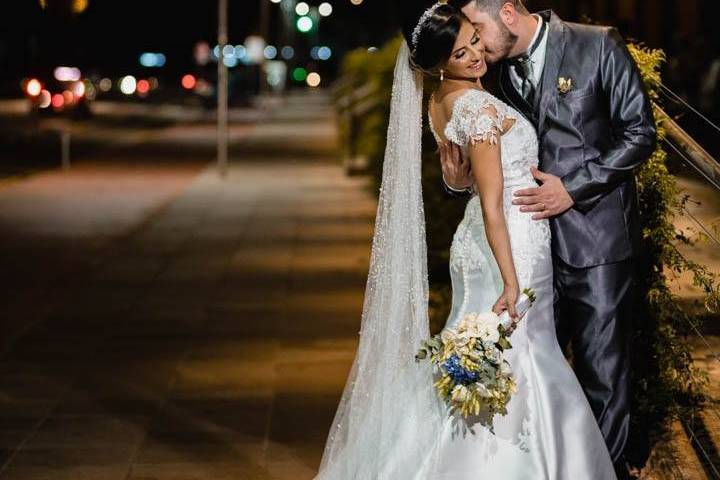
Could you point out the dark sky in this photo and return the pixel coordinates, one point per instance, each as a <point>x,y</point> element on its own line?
<point>111,34</point>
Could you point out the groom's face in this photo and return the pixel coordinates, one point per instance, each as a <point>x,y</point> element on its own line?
<point>495,35</point>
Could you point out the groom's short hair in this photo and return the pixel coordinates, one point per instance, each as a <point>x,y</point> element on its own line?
<point>492,7</point>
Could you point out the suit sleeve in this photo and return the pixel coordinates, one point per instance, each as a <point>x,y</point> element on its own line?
<point>632,124</point>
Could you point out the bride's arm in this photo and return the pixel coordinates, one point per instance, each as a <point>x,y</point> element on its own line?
<point>487,171</point>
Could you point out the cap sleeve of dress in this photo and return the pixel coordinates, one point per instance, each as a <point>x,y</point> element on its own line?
<point>476,118</point>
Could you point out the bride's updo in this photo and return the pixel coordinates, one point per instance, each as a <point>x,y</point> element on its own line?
<point>433,40</point>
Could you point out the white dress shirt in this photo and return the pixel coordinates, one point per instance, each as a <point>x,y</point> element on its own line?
<point>537,59</point>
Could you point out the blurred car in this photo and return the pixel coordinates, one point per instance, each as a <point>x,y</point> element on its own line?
<point>61,92</point>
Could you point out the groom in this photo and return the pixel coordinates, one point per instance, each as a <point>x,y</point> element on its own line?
<point>581,89</point>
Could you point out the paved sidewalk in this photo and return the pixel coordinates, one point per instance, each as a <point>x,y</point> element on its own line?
<point>207,334</point>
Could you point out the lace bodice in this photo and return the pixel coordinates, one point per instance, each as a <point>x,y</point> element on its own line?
<point>479,116</point>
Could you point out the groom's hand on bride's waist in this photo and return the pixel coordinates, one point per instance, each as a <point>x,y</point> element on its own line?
<point>548,200</point>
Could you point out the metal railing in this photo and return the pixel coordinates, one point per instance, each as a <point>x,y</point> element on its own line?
<point>354,101</point>
<point>690,150</point>
<point>694,156</point>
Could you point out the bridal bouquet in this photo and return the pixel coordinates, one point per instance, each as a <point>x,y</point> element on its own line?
<point>474,376</point>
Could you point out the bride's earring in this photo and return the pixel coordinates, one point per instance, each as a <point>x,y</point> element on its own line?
<point>442,75</point>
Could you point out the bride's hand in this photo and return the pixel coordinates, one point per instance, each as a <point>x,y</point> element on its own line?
<point>508,301</point>
<point>456,169</point>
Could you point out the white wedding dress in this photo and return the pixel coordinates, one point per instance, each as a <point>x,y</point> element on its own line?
<point>549,431</point>
<point>390,423</point>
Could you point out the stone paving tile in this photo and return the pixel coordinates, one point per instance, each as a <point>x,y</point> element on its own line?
<point>293,460</point>
<point>85,430</point>
<point>14,431</point>
<point>211,343</point>
<point>155,452</point>
<point>105,472</point>
<point>136,403</point>
<point>199,471</point>
<point>213,376</point>
<point>74,456</point>
<point>214,418</point>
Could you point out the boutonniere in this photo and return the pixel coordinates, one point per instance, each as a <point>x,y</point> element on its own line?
<point>564,85</point>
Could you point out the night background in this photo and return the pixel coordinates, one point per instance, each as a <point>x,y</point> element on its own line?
<point>181,278</point>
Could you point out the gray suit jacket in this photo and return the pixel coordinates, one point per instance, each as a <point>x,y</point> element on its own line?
<point>592,137</point>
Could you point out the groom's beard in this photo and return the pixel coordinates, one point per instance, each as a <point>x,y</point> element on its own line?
<point>503,45</point>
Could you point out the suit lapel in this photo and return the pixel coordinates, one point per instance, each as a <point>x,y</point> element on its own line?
<point>553,61</point>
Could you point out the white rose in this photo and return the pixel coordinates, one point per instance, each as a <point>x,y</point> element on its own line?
<point>460,394</point>
<point>490,333</point>
<point>482,390</point>
<point>488,318</point>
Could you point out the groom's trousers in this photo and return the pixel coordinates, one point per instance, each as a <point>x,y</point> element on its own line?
<point>593,316</point>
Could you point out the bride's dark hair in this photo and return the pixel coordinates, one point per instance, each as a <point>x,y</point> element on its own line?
<point>436,38</point>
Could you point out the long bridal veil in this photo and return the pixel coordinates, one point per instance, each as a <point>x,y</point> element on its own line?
<point>389,415</point>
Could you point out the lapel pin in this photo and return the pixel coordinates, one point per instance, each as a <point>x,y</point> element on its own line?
<point>564,85</point>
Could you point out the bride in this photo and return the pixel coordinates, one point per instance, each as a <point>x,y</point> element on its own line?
<point>390,423</point>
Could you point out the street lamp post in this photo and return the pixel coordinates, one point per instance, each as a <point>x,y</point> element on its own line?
<point>222,97</point>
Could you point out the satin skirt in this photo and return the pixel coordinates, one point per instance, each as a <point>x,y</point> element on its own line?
<point>549,431</point>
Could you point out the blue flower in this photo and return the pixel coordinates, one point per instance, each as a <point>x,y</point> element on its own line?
<point>459,374</point>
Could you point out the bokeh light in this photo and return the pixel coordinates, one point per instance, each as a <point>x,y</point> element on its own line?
<point>78,89</point>
<point>313,79</point>
<point>79,6</point>
<point>324,53</point>
<point>105,85</point>
<point>143,87</point>
<point>287,52</point>
<point>58,100</point>
<point>302,9</point>
<point>305,24</point>
<point>270,52</point>
<point>67,74</point>
<point>68,97</point>
<point>188,82</point>
<point>150,60</point>
<point>45,99</point>
<point>90,90</point>
<point>325,9</point>
<point>299,74</point>
<point>34,87</point>
<point>240,51</point>
<point>128,84</point>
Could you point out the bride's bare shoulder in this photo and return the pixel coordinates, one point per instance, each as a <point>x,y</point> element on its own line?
<point>451,99</point>
<point>446,99</point>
